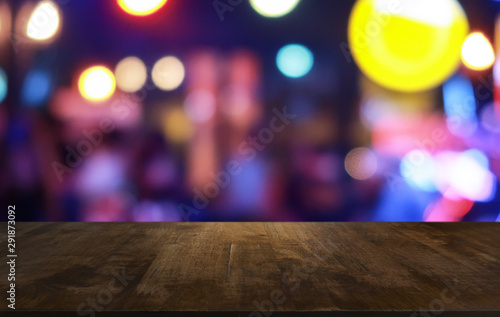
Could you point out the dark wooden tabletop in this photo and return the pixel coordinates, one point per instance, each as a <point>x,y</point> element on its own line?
<point>258,268</point>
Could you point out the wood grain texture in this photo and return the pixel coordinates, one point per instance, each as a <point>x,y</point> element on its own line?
<point>248,266</point>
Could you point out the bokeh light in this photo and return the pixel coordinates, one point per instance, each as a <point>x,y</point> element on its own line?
<point>490,119</point>
<point>273,8</point>
<point>168,73</point>
<point>460,106</point>
<point>141,7</point>
<point>36,88</point>
<point>44,22</point>
<point>406,136</point>
<point>97,83</point>
<point>407,45</point>
<point>361,163</point>
<point>294,60</point>
<point>464,175</point>
<point>477,52</point>
<point>5,21</point>
<point>177,126</point>
<point>131,74</point>
<point>418,170</point>
<point>448,210</point>
<point>200,105</point>
<point>3,85</point>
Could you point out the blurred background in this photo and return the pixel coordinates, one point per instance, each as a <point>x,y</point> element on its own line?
<point>260,110</point>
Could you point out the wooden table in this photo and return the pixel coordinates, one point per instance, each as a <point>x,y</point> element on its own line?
<point>256,269</point>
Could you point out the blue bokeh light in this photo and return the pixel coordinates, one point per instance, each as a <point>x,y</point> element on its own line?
<point>460,106</point>
<point>36,88</point>
<point>418,170</point>
<point>3,85</point>
<point>294,60</point>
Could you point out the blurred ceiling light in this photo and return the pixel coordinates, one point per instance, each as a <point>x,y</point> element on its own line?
<point>168,73</point>
<point>131,74</point>
<point>97,83</point>
<point>273,8</point>
<point>407,45</point>
<point>44,22</point>
<point>3,85</point>
<point>141,7</point>
<point>477,52</point>
<point>294,60</point>
<point>361,163</point>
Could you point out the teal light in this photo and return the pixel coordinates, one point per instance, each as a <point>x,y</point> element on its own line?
<point>3,85</point>
<point>294,60</point>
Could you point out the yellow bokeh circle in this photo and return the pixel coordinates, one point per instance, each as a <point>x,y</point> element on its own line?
<point>97,83</point>
<point>274,8</point>
<point>44,22</point>
<point>141,7</point>
<point>477,52</point>
<point>168,73</point>
<point>407,45</point>
<point>131,74</point>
